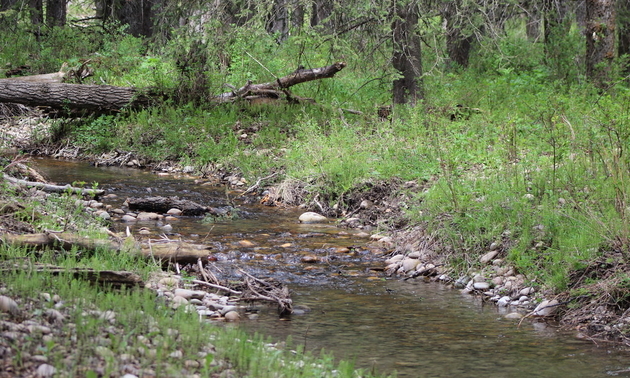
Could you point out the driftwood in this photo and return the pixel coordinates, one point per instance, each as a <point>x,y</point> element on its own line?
<point>163,204</point>
<point>106,98</point>
<point>54,188</point>
<point>104,277</point>
<point>249,289</point>
<point>275,88</point>
<point>163,251</point>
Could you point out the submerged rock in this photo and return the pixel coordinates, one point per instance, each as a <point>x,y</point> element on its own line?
<point>312,217</point>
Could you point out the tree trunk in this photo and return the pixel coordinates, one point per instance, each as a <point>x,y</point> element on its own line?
<point>600,40</point>
<point>136,14</point>
<point>533,20</point>
<point>97,98</point>
<point>321,13</point>
<point>107,98</point>
<point>56,12</point>
<point>457,44</point>
<point>407,54</point>
<point>623,13</point>
<point>278,21</point>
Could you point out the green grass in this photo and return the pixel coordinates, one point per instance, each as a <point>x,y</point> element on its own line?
<point>533,154</point>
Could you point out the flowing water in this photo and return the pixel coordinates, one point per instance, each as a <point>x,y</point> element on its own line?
<point>414,328</point>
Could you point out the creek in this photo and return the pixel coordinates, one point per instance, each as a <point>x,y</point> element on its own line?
<point>415,328</point>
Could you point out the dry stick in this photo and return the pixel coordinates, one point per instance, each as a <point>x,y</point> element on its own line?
<point>217,287</point>
<point>257,184</point>
<point>202,270</point>
<point>262,65</point>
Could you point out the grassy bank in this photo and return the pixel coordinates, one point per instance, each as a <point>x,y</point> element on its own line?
<point>80,329</point>
<point>507,151</point>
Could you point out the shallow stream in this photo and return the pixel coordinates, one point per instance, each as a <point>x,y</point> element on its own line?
<point>417,329</point>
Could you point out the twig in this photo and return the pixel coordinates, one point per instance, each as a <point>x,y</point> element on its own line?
<point>257,184</point>
<point>217,287</point>
<point>262,65</point>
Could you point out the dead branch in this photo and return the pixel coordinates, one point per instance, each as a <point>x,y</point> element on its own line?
<point>54,188</point>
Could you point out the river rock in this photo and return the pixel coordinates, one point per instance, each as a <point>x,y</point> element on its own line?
<point>45,371</point>
<point>311,217</point>
<point>527,291</point>
<point>488,257</point>
<point>179,301</point>
<point>103,215</point>
<point>481,286</point>
<point>246,243</point>
<point>504,301</point>
<point>461,282</point>
<point>189,294</point>
<point>546,308</point>
<point>310,259</point>
<point>394,259</point>
<point>143,217</point>
<point>174,212</point>
<point>232,316</point>
<point>410,264</point>
<point>513,315</point>
<point>128,218</point>
<point>8,305</point>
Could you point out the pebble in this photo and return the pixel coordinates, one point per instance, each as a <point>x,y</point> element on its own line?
<point>45,370</point>
<point>8,305</point>
<point>174,211</point>
<point>485,259</point>
<point>189,294</point>
<point>527,291</point>
<point>128,218</point>
<point>481,286</point>
<point>148,217</point>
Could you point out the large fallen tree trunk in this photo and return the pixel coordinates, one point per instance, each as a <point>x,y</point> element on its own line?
<point>94,98</point>
<point>107,98</point>
<point>163,251</point>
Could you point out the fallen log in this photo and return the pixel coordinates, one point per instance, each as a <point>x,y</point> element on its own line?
<point>94,98</point>
<point>108,98</point>
<point>159,204</point>
<point>103,277</point>
<point>54,188</point>
<point>164,251</point>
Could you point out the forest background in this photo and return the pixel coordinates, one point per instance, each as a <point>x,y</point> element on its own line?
<point>512,116</point>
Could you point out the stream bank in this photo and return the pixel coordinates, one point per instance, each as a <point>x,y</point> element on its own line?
<point>592,311</point>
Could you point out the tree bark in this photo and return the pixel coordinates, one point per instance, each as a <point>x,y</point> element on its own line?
<point>407,54</point>
<point>278,21</point>
<point>623,14</point>
<point>107,98</point>
<point>56,11</point>
<point>96,98</point>
<point>600,40</point>
<point>458,45</point>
